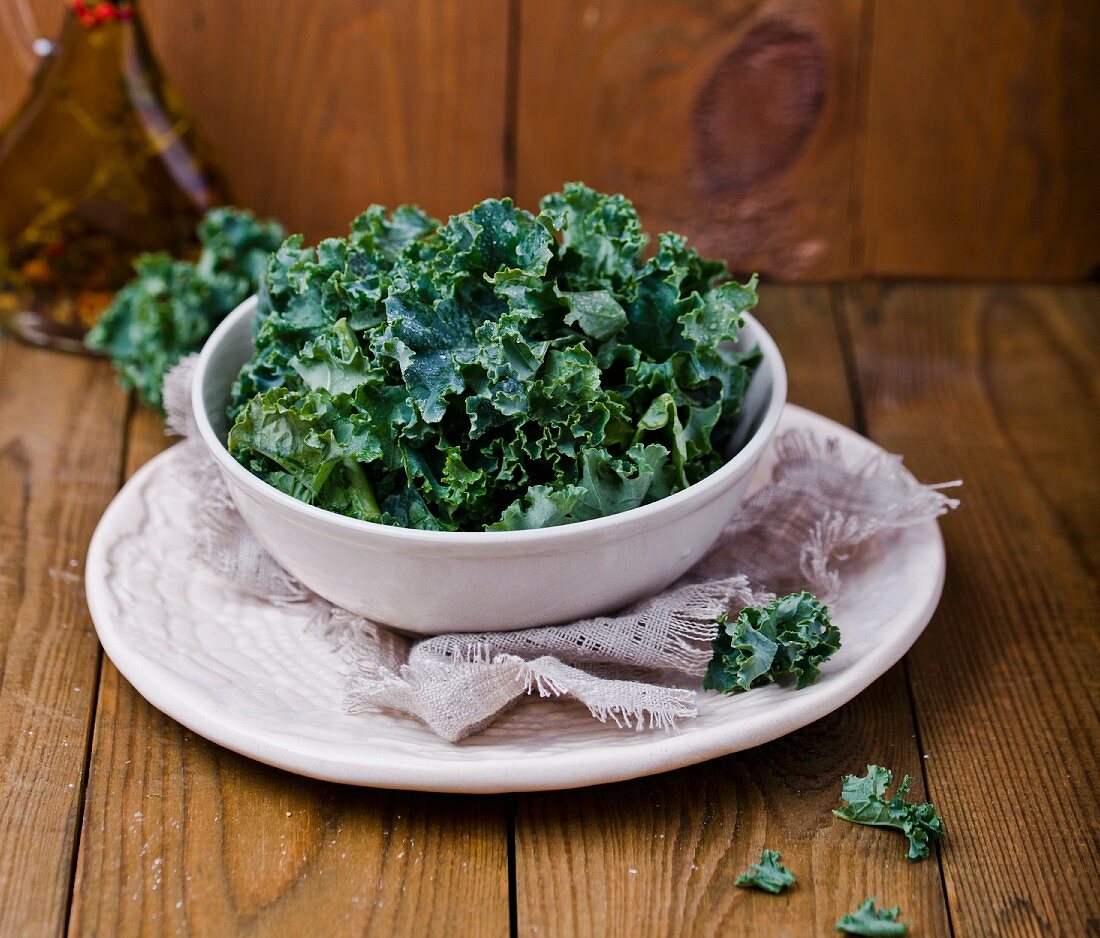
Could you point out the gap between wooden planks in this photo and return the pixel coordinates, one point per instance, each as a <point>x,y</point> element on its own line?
<point>62,419</point>
<point>659,856</point>
<point>997,385</point>
<point>938,382</point>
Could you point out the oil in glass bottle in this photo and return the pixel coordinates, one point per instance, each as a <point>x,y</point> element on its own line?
<point>98,165</point>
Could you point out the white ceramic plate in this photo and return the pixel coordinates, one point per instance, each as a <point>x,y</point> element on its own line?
<point>252,678</point>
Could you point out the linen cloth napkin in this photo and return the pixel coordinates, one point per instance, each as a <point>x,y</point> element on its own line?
<point>794,533</point>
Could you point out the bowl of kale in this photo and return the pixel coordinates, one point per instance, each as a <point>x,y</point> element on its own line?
<point>505,420</point>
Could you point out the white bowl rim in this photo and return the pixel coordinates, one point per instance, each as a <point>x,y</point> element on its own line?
<point>747,455</point>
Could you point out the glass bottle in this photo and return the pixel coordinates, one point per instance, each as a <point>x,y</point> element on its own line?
<point>97,166</point>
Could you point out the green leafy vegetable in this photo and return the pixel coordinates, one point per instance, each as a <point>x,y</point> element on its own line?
<point>769,874</point>
<point>867,920</point>
<point>791,635</point>
<point>868,804</point>
<point>501,371</point>
<point>171,306</point>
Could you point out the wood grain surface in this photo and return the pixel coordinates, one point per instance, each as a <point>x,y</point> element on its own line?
<point>807,139</point>
<point>62,420</point>
<point>316,110</point>
<point>659,856</point>
<point>732,122</point>
<point>1041,373</point>
<point>982,116</point>
<point>994,710</point>
<point>1005,681</point>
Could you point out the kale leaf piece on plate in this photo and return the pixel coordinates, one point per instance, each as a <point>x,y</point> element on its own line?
<point>790,635</point>
<point>769,874</point>
<point>501,371</point>
<point>868,804</point>
<point>171,306</point>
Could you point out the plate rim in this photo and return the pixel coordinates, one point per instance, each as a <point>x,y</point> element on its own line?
<point>557,770</point>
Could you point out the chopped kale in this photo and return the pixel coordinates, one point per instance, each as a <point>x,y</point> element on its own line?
<point>169,309</point>
<point>867,920</point>
<point>501,371</point>
<point>868,804</point>
<point>791,635</point>
<point>769,874</point>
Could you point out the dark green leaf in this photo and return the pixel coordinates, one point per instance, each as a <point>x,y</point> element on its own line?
<point>597,312</point>
<point>171,306</point>
<point>501,371</point>
<point>789,636</point>
<point>867,920</point>
<point>334,361</point>
<point>867,803</point>
<point>769,874</point>
<point>601,235</point>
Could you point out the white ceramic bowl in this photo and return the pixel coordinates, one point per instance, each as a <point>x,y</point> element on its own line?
<point>431,582</point>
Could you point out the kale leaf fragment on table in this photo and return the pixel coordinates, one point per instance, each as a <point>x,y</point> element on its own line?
<point>791,635</point>
<point>872,922</point>
<point>504,370</point>
<point>769,874</point>
<point>171,306</point>
<point>867,804</point>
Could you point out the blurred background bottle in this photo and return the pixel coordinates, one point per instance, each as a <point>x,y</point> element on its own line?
<point>98,165</point>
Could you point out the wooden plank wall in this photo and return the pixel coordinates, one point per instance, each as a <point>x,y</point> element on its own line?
<point>807,139</point>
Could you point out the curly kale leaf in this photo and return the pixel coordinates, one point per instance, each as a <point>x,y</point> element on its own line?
<point>867,804</point>
<point>790,635</point>
<point>769,874</point>
<point>504,370</point>
<point>171,306</point>
<point>601,236</point>
<point>867,920</point>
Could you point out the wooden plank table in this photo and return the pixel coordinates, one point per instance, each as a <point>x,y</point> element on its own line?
<point>117,821</point>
